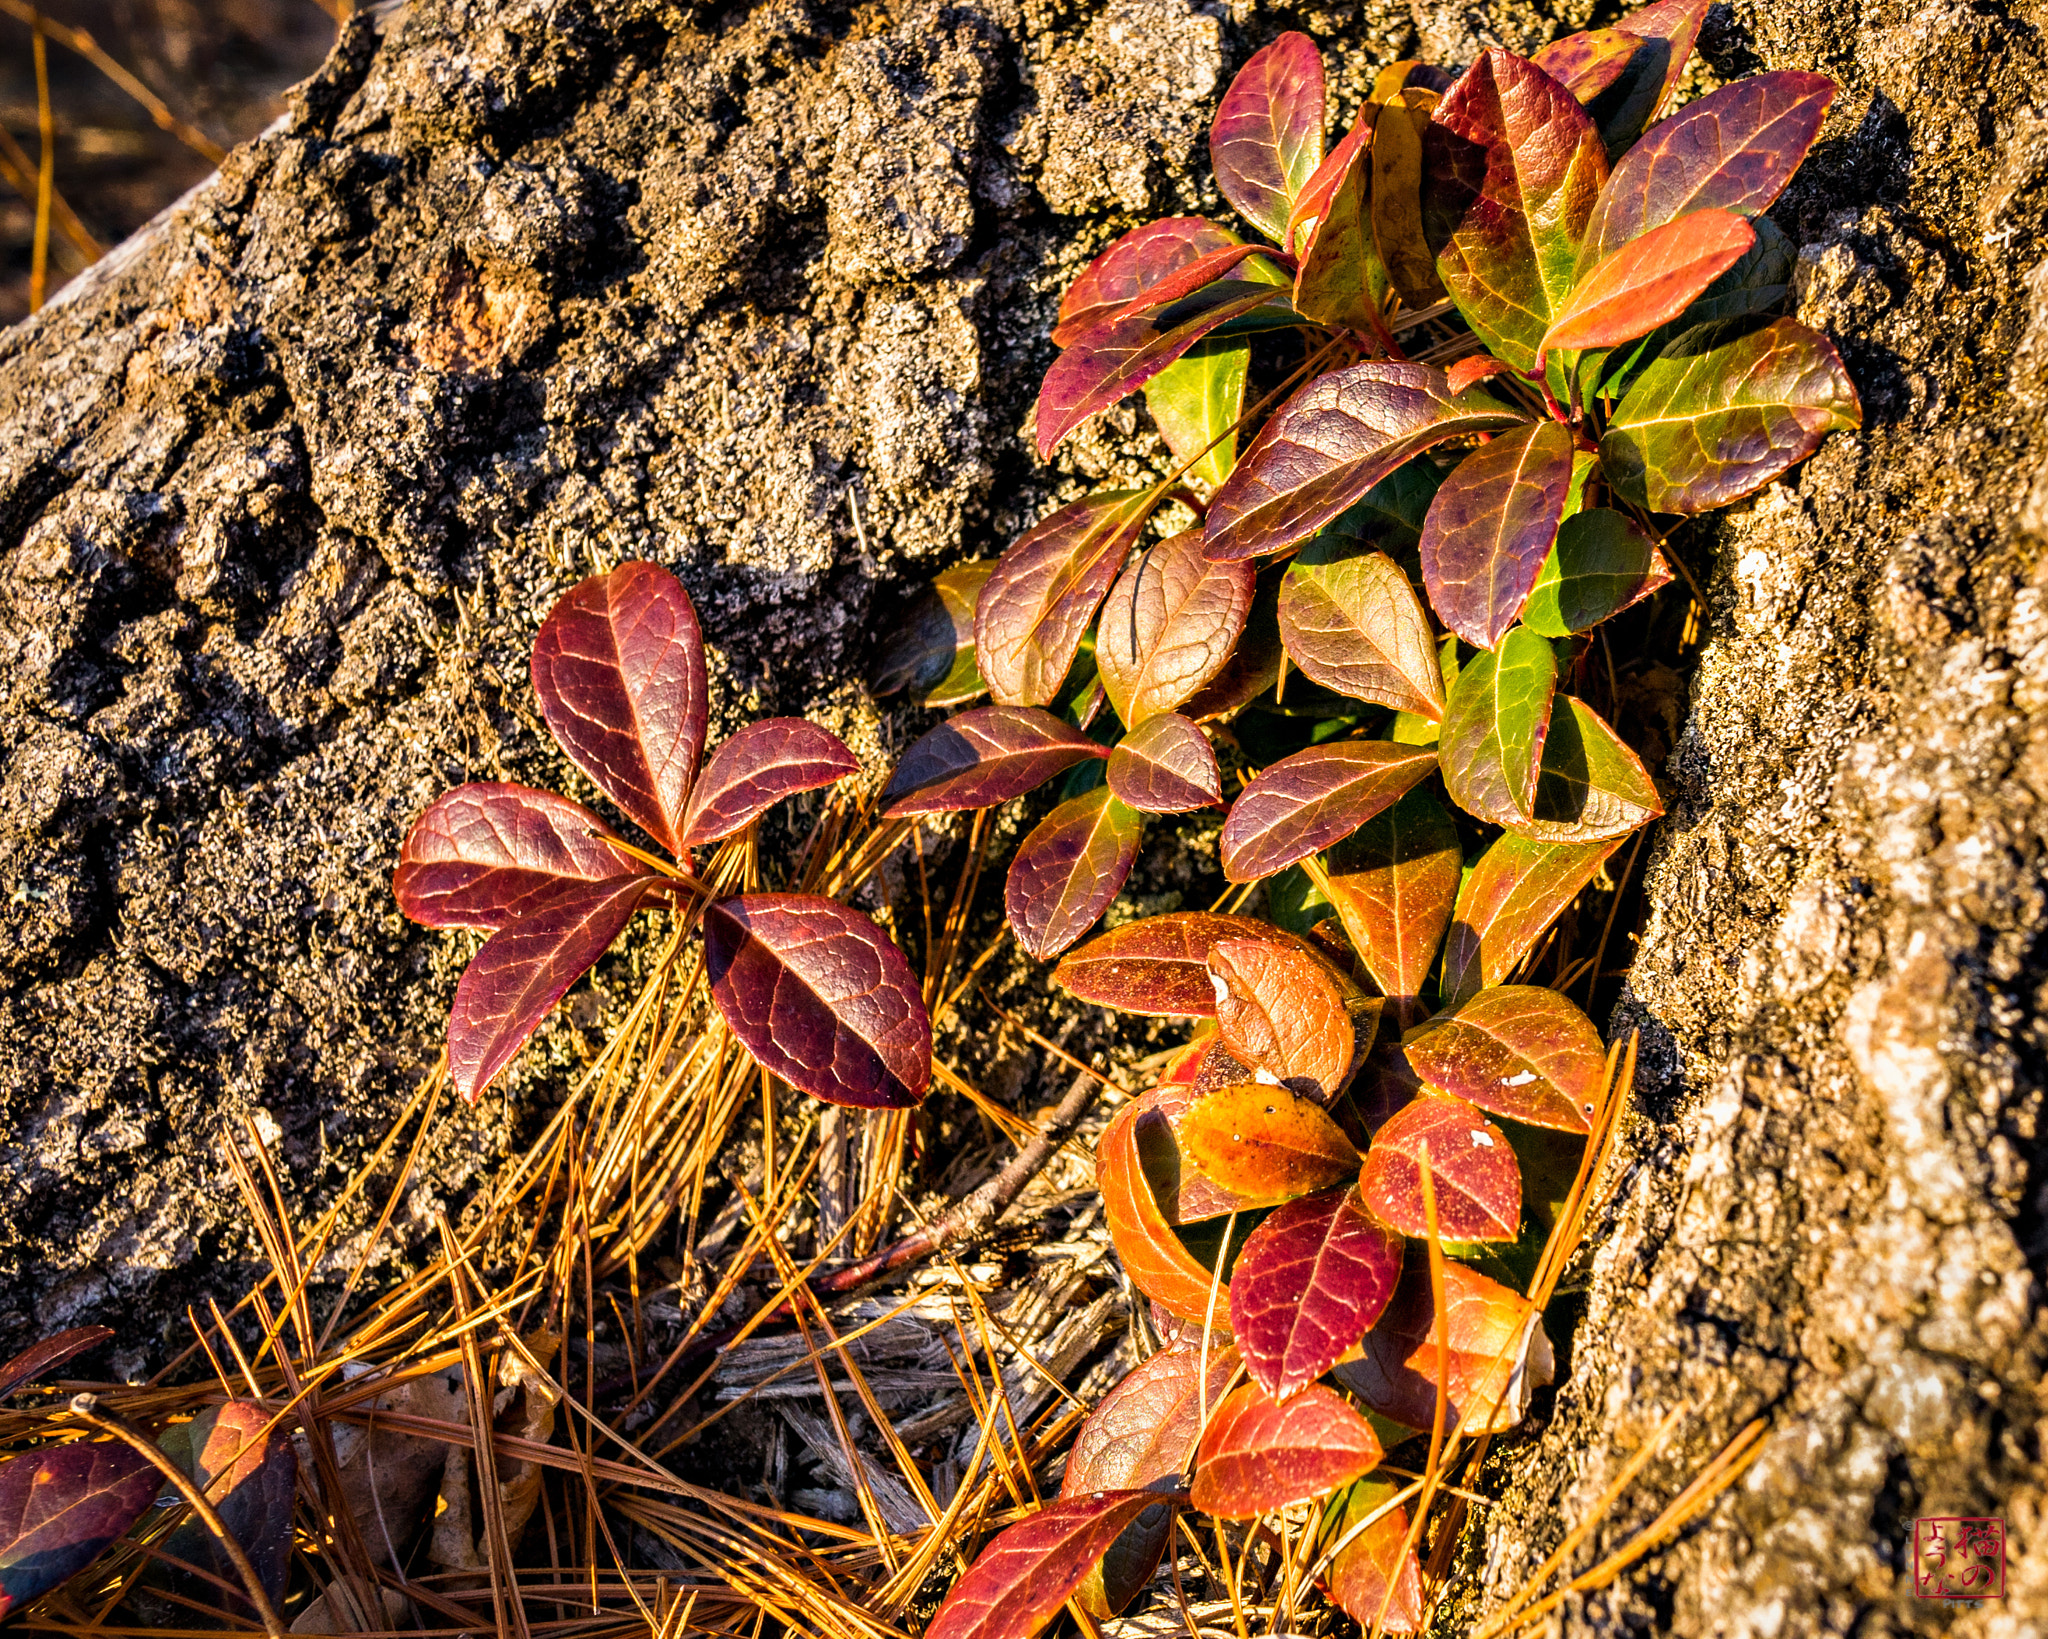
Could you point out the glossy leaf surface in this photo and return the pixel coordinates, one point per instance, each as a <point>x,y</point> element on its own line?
<point>1478,1180</point>
<point>1649,281</point>
<point>1396,194</point>
<point>619,668</point>
<point>1021,1579</point>
<point>1313,203</point>
<point>242,1459</point>
<point>1165,766</point>
<point>1305,802</point>
<point>1330,443</point>
<point>981,758</point>
<point>1671,26</point>
<point>1280,1010</point>
<point>1593,786</point>
<point>1722,411</point>
<point>1515,890</point>
<point>1159,965</point>
<point>1498,1353</point>
<point>1265,1144</point>
<point>1517,1050</point>
<point>755,769</point>
<point>1394,881</point>
<point>932,653</point>
<point>1602,563</point>
<point>47,1355</point>
<point>1195,403</point>
<point>1169,625</point>
<point>1492,525</point>
<point>1183,1193</point>
<point>1477,367</point>
<point>1260,1453</point>
<point>1045,589</point>
<point>1267,139</point>
<point>1587,63</point>
<point>1377,1555</point>
<point>1513,166</point>
<point>821,997</point>
<point>1312,1277</point>
<point>1341,281</point>
<point>1352,622</point>
<point>1210,268</point>
<point>1495,724</point>
<point>1253,666</point>
<point>527,966</point>
<point>61,1507</point>
<point>1130,267</point>
<point>484,853</point>
<point>1733,150</point>
<point>1068,870</point>
<point>1153,1257</point>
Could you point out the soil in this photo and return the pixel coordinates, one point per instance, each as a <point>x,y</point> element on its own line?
<point>518,290</point>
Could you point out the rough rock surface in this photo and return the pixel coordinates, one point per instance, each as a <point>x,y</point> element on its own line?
<point>522,289</point>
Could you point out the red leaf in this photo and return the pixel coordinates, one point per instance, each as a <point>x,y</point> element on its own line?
<point>1253,666</point>
<point>1153,1257</point>
<point>48,1355</point>
<point>1185,280</point>
<point>61,1507</point>
<point>1312,204</point>
<point>1036,607</point>
<point>1498,1353</point>
<point>1478,1180</point>
<point>1159,965</point>
<point>1354,624</point>
<point>1169,626</point>
<point>1649,281</point>
<point>1329,444</point>
<point>1265,1144</point>
<point>1474,369</point>
<point>1165,766</point>
<point>527,966</point>
<point>619,668</point>
<point>242,1458</point>
<point>1491,526</point>
<point>981,758</point>
<point>1394,881</point>
<point>1342,282</point>
<point>1378,1554</point>
<point>821,997</point>
<point>1669,27</point>
<point>1023,1577</point>
<point>1281,1011</point>
<point>483,854</point>
<point>1305,802</point>
<point>755,769</point>
<point>1515,890</point>
<point>1132,266</point>
<point>1261,1454</point>
<point>1069,869</point>
<point>1586,64</point>
<point>1308,1283</point>
<point>1268,136</point>
<point>1518,1050</point>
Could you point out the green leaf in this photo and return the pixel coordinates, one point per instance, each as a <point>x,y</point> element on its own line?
<point>1723,411</point>
<point>1515,890</point>
<point>1593,786</point>
<point>1495,723</point>
<point>1602,563</point>
<point>1195,399</point>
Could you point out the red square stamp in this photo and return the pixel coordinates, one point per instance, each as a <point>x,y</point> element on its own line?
<point>1959,1559</point>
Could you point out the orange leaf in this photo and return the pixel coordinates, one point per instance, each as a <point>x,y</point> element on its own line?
<point>1261,1453</point>
<point>1266,1144</point>
<point>1648,281</point>
<point>1282,1011</point>
<point>1159,1266</point>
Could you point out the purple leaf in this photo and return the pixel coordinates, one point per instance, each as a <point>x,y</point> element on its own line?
<point>1515,890</point>
<point>527,966</point>
<point>1131,267</point>
<point>1352,622</point>
<point>1329,444</point>
<point>61,1507</point>
<point>1517,1050</point>
<point>619,668</point>
<point>1169,626</point>
<point>1592,786</point>
<point>1268,136</point>
<point>1036,607</point>
<point>1023,1577</point>
<point>755,769</point>
<point>1477,1179</point>
<point>1159,965</point>
<point>1310,1280</point>
<point>481,854</point>
<point>48,1355</point>
<point>981,758</point>
<point>1495,725</point>
<point>242,1458</point>
<point>1490,528</point>
<point>1165,766</point>
<point>1260,1454</point>
<point>1305,802</point>
<point>1394,881</point>
<point>820,996</point>
<point>1601,564</point>
<point>1649,281</point>
<point>1068,870</point>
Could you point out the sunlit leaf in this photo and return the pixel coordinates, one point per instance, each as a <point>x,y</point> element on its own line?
<point>1312,203</point>
<point>619,668</point>
<point>1260,1454</point>
<point>1169,625</point>
<point>1515,890</point>
<point>1724,410</point>
<point>1265,1143</point>
<point>1021,1579</point>
<point>1304,803</point>
<point>1673,25</point>
<point>1623,89</point>
<point>1602,563</point>
<point>61,1507</point>
<point>1478,1181</point>
<point>1165,766</point>
<point>1517,1050</point>
<point>1153,1257</point>
<point>1037,604</point>
<point>1130,267</point>
<point>1593,786</point>
<point>755,769</point>
<point>981,758</point>
<point>1587,63</point>
<point>819,994</point>
<point>1341,281</point>
<point>48,1354</point>
<point>1253,666</point>
<point>1068,870</point>
<point>1267,139</point>
<point>482,853</point>
<point>1159,965</point>
<point>1195,403</point>
<point>1495,724</point>
<point>1396,193</point>
<point>1474,368</point>
<point>1352,622</point>
<point>1649,281</point>
<point>1282,1011</point>
<point>1377,1554</point>
<point>1497,1352</point>
<point>1330,443</point>
<point>527,966</point>
<point>241,1457</point>
<point>932,652</point>
<point>1310,1280</point>
<point>1394,881</point>
<point>1184,1194</point>
<point>1492,525</point>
